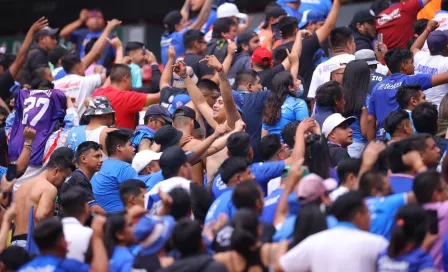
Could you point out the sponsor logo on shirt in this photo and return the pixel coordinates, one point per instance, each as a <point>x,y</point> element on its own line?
<point>426,69</point>
<point>386,18</point>
<point>388,86</point>
<point>271,201</point>
<point>387,264</point>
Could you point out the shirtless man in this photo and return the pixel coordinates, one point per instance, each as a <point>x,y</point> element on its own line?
<point>41,193</point>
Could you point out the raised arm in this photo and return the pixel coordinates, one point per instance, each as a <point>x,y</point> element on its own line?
<point>323,32</point>
<point>185,11</point>
<point>203,15</point>
<point>100,260</point>
<point>369,157</point>
<point>70,28</point>
<point>202,149</point>
<point>23,51</point>
<point>418,44</point>
<point>371,127</point>
<point>100,44</point>
<point>306,125</point>
<point>221,143</point>
<point>167,73</point>
<point>118,46</point>
<point>24,159</point>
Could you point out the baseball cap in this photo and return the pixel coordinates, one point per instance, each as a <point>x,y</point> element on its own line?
<point>174,157</point>
<point>367,55</point>
<point>437,41</point>
<point>262,56</point>
<point>177,81</point>
<point>311,16</point>
<point>46,31</point>
<point>179,101</point>
<point>143,158</point>
<point>378,6</point>
<point>186,112</point>
<point>167,136</point>
<point>239,101</point>
<point>290,1</point>
<point>99,105</point>
<point>228,10</point>
<point>363,15</point>
<point>153,232</point>
<point>275,12</point>
<point>335,66</point>
<point>335,120</point>
<point>157,110</point>
<point>244,38</point>
<point>312,186</point>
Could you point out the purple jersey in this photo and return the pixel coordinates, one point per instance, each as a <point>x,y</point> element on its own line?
<point>40,110</point>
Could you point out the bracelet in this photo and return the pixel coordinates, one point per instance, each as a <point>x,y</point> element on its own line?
<point>219,70</point>
<point>183,77</point>
<point>428,30</point>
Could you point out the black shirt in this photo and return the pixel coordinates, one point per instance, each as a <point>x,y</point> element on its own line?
<point>79,179</point>
<point>266,76</point>
<point>200,68</point>
<point>337,154</point>
<point>6,82</point>
<point>148,263</point>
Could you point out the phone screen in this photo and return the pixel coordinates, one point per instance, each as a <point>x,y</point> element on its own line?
<point>11,173</point>
<point>380,41</point>
<point>433,222</point>
<point>276,31</point>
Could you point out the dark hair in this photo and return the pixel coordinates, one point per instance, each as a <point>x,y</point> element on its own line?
<point>310,220</point>
<point>347,205</point>
<point>90,45</point>
<point>273,107</point>
<point>405,93</point>
<point>317,156</point>
<point>395,119</point>
<point>288,25</point>
<point>425,118</point>
<point>61,162</point>
<point>279,55</point>
<point>245,77</point>
<point>192,36</point>
<point>246,194</point>
<point>207,85</point>
<point>347,167</point>
<point>72,201</point>
<point>443,108</point>
<point>117,137</point>
<point>245,231</point>
<point>187,237</point>
<point>222,25</point>
<point>238,144</point>
<point>289,132</point>
<point>328,93</point>
<point>181,206</point>
<point>48,233</point>
<point>85,147</point>
<point>411,226</point>
<point>420,26</point>
<point>339,37</point>
<point>232,166</point>
<point>41,84</point>
<point>395,57</point>
<point>269,146</point>
<point>355,84</point>
<point>371,180</point>
<point>56,54</point>
<point>119,71</point>
<point>69,61</point>
<point>171,20</point>
<point>425,184</point>
<point>39,72</point>
<point>444,5</point>
<point>131,46</point>
<point>130,187</point>
<point>13,257</point>
<point>115,223</point>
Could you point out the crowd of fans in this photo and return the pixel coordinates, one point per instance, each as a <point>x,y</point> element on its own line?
<point>294,146</point>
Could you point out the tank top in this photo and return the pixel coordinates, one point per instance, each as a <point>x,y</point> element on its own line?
<point>94,136</point>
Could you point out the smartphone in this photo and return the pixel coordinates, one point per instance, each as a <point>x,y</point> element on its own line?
<point>433,222</point>
<point>276,31</point>
<point>380,41</point>
<point>11,172</point>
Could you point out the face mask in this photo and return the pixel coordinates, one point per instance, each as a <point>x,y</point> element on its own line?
<point>299,93</point>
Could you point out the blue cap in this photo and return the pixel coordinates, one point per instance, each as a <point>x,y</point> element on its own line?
<point>239,101</point>
<point>153,232</point>
<point>179,101</point>
<point>311,16</point>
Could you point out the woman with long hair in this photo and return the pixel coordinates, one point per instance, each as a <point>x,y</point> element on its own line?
<point>356,85</point>
<point>310,220</point>
<point>283,106</point>
<point>317,156</point>
<point>409,242</point>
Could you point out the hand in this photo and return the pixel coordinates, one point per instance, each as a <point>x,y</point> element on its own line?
<point>115,42</point>
<point>211,228</point>
<point>414,160</point>
<point>306,125</point>
<point>171,52</point>
<point>220,130</point>
<point>38,25</point>
<point>432,25</point>
<point>180,68</point>
<point>150,57</point>
<point>293,57</point>
<point>10,213</point>
<point>240,125</point>
<point>185,139</point>
<point>306,33</point>
<point>6,186</point>
<point>98,225</point>
<point>98,69</point>
<point>29,134</point>
<point>84,15</point>
<point>166,199</point>
<point>127,59</point>
<point>231,48</point>
<point>370,154</point>
<point>212,62</point>
<point>383,48</point>
<point>112,24</point>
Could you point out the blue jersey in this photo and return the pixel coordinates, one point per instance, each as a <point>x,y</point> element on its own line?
<point>3,171</point>
<point>271,204</point>
<point>382,211</point>
<point>175,39</point>
<point>223,204</point>
<point>41,110</point>
<point>121,260</point>
<point>401,183</point>
<point>415,261</point>
<point>54,264</point>
<point>292,12</point>
<point>105,183</point>
<point>321,6</point>
<point>382,101</point>
<point>293,109</point>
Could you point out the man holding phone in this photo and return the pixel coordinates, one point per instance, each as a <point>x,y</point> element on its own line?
<point>363,26</point>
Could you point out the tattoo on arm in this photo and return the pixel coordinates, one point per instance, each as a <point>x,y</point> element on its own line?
<point>224,79</point>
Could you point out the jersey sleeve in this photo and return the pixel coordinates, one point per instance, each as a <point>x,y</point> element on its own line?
<point>264,172</point>
<point>395,202</point>
<point>424,80</point>
<point>371,105</point>
<point>133,101</point>
<point>300,110</point>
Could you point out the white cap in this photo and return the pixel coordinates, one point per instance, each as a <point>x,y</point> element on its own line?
<point>228,10</point>
<point>334,121</point>
<point>367,55</point>
<point>143,158</point>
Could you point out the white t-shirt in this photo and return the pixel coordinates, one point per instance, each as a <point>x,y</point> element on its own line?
<point>338,192</point>
<point>382,69</point>
<point>78,86</point>
<point>77,237</point>
<point>427,64</point>
<point>273,184</point>
<point>334,250</point>
<point>322,72</point>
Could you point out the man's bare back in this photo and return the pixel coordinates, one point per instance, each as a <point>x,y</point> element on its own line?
<point>34,192</point>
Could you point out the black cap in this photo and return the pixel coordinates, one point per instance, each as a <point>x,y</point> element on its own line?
<point>46,31</point>
<point>167,136</point>
<point>186,112</point>
<point>174,157</point>
<point>363,15</point>
<point>157,110</point>
<point>378,6</point>
<point>275,12</point>
<point>245,37</point>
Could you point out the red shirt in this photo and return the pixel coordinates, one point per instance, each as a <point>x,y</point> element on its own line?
<point>125,103</point>
<point>397,23</point>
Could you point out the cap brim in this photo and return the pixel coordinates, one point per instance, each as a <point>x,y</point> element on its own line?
<point>373,62</point>
<point>350,120</point>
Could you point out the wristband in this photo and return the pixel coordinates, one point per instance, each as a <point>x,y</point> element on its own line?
<point>219,70</point>
<point>428,30</point>
<point>183,77</point>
